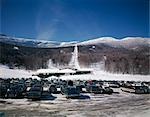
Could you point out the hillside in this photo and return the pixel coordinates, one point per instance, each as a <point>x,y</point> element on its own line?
<point>126,56</point>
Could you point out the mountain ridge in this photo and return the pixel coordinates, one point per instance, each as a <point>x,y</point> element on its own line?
<point>124,42</point>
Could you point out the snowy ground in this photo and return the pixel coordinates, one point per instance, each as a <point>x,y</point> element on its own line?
<point>5,72</point>
<point>98,105</point>
<point>101,75</point>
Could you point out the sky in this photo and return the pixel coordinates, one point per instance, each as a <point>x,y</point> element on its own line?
<point>74,20</point>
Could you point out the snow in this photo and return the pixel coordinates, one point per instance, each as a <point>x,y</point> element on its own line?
<point>35,42</point>
<point>55,70</point>
<point>16,48</point>
<point>102,75</point>
<point>67,71</point>
<point>85,69</point>
<point>93,47</point>
<point>51,77</point>
<point>115,105</point>
<point>50,64</point>
<point>135,38</point>
<point>99,40</point>
<point>74,63</point>
<point>5,72</point>
<point>68,43</point>
<point>125,42</point>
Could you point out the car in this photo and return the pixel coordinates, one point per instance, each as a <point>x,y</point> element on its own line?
<point>15,91</point>
<point>70,91</point>
<point>94,89</point>
<point>142,90</point>
<point>53,88</point>
<point>107,90</point>
<point>114,84</point>
<point>35,92</point>
<point>3,90</point>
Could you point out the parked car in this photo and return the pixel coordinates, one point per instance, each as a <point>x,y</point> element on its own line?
<point>142,90</point>
<point>94,89</point>
<point>70,91</point>
<point>107,90</point>
<point>3,90</point>
<point>53,88</point>
<point>114,84</point>
<point>12,91</point>
<point>35,92</point>
<point>137,90</point>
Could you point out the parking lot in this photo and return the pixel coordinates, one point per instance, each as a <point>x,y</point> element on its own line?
<point>104,105</point>
<point>33,98</point>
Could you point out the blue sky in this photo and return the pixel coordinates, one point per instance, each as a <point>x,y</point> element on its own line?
<point>74,20</point>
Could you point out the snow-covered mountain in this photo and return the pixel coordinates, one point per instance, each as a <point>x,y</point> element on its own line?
<point>128,55</point>
<point>128,42</point>
<point>33,42</point>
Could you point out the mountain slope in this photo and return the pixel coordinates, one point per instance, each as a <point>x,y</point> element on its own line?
<point>129,55</point>
<point>128,42</point>
<point>33,42</point>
